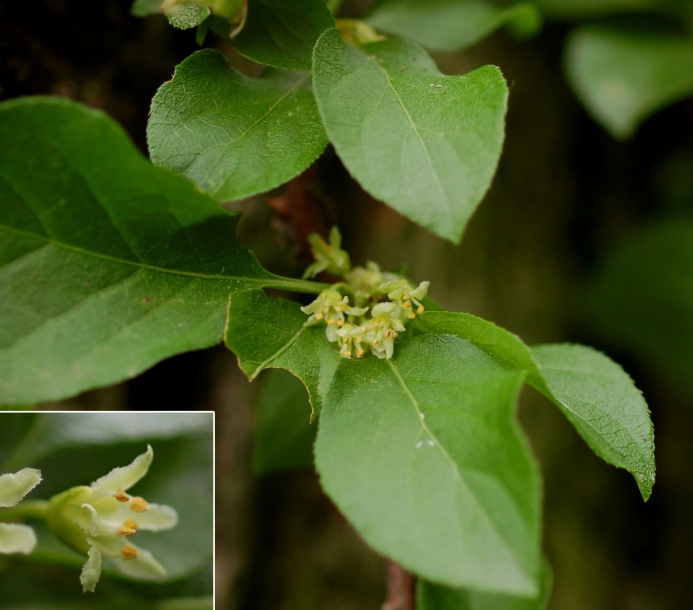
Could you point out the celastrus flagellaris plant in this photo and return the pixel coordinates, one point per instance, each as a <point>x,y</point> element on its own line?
<point>134,260</point>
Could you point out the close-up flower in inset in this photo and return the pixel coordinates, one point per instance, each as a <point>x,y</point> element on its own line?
<point>14,537</point>
<point>101,520</point>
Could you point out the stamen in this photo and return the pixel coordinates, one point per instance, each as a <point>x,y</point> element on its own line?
<point>340,322</point>
<point>319,315</point>
<point>121,496</point>
<point>407,305</point>
<point>420,309</point>
<point>128,552</point>
<point>360,353</point>
<point>131,524</point>
<point>123,530</point>
<point>411,315</point>
<point>330,321</point>
<point>138,505</point>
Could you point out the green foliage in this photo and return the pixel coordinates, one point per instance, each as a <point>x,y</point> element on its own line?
<point>625,73</point>
<point>112,264</point>
<point>108,264</point>
<point>431,448</point>
<point>450,25</point>
<point>232,154</point>
<point>282,33</point>
<point>437,597</point>
<point>425,143</point>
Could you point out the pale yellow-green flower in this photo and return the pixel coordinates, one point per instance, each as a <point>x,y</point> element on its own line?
<point>101,520</point>
<point>328,256</point>
<point>15,537</point>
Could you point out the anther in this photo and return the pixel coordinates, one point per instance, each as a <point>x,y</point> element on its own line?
<point>411,315</point>
<point>360,353</point>
<point>420,309</point>
<point>128,552</point>
<point>138,505</point>
<point>330,321</point>
<point>319,316</point>
<point>121,496</point>
<point>340,322</point>
<point>407,305</point>
<point>124,530</point>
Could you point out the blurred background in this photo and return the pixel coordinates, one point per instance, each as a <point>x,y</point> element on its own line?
<point>585,236</point>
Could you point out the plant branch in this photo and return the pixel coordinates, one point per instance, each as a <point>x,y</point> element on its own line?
<point>401,586</point>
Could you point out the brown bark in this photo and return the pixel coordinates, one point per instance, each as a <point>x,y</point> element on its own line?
<point>400,588</point>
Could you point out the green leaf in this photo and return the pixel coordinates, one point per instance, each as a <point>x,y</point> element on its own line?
<point>144,8</point>
<point>424,143</point>
<point>107,264</point>
<point>505,347</point>
<point>233,135</point>
<point>593,392</point>
<point>624,74</point>
<point>423,455</point>
<point>266,332</point>
<point>437,597</point>
<point>581,9</point>
<point>282,33</point>
<point>448,25</point>
<point>603,404</point>
<point>284,437</point>
<point>641,299</point>
<point>187,16</point>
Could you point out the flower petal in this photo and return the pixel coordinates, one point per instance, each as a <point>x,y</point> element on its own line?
<point>13,487</point>
<point>157,517</point>
<point>143,566</point>
<point>124,477</point>
<point>91,572</point>
<point>15,538</point>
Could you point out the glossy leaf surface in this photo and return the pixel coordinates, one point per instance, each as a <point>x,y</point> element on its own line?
<point>424,143</point>
<point>594,392</point>
<point>623,75</point>
<point>282,33</point>
<point>448,25</point>
<point>603,404</point>
<point>266,332</point>
<point>233,135</point>
<point>107,264</point>
<point>424,457</point>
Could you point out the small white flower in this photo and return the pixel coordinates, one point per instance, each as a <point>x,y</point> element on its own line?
<point>100,520</point>
<point>14,537</point>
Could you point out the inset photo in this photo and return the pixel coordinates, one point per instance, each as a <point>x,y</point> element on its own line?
<point>107,510</point>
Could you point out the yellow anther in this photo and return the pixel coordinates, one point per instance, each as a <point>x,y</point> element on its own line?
<point>374,325</point>
<point>360,353</point>
<point>411,315</point>
<point>340,323</point>
<point>330,321</point>
<point>138,505</point>
<point>376,341</point>
<point>319,316</point>
<point>340,307</point>
<point>347,354</point>
<point>128,552</point>
<point>391,333</point>
<point>123,530</point>
<point>420,309</point>
<point>358,339</point>
<point>131,524</point>
<point>407,305</point>
<point>121,496</point>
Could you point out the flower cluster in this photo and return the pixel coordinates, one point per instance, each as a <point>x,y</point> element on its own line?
<point>15,537</point>
<point>368,309</point>
<point>101,519</point>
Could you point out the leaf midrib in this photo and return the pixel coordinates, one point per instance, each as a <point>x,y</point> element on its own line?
<point>269,279</point>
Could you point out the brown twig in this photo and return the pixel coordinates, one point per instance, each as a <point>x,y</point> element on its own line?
<point>400,588</point>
